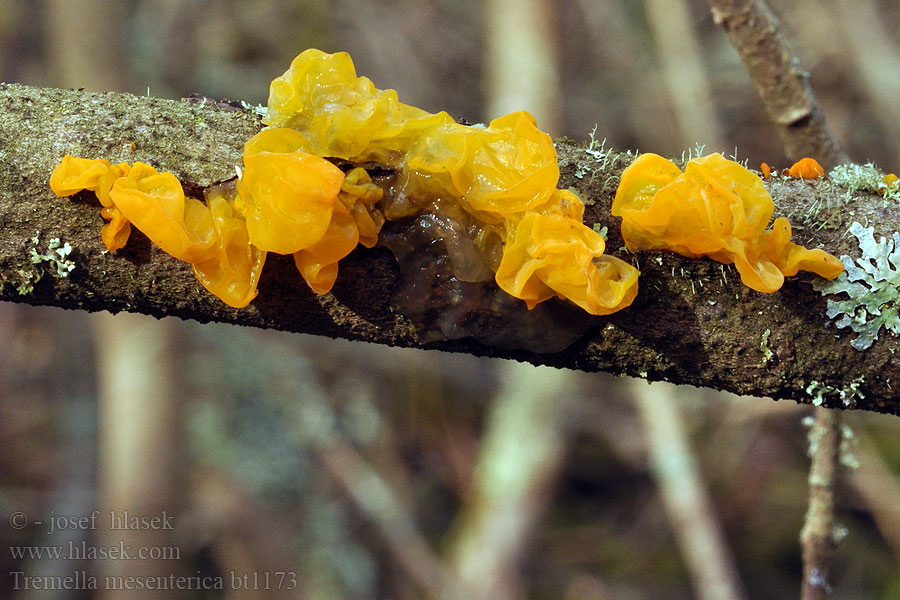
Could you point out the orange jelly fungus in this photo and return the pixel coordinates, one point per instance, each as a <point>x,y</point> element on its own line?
<point>806,168</point>
<point>96,175</point>
<point>766,170</point>
<point>492,189</point>
<point>212,236</point>
<point>490,183</point>
<point>716,208</point>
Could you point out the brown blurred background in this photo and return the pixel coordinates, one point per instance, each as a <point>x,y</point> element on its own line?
<point>332,470</point>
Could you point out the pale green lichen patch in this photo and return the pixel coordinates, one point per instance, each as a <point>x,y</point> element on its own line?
<point>57,256</point>
<point>27,280</point>
<point>872,287</point>
<point>764,347</point>
<point>848,396</point>
<point>864,178</point>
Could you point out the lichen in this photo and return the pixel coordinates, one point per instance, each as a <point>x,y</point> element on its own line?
<point>865,178</point>
<point>764,347</point>
<point>27,281</point>
<point>848,396</point>
<point>872,286</point>
<point>56,256</point>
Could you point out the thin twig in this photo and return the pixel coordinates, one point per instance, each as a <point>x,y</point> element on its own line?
<point>684,495</point>
<point>521,454</point>
<point>377,500</point>
<point>801,124</point>
<point>777,76</point>
<point>817,537</point>
<point>682,70</point>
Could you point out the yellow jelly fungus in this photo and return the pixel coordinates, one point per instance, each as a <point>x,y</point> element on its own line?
<point>716,208</point>
<point>318,264</point>
<point>288,194</point>
<point>209,236</point>
<point>806,168</point>
<point>549,255</point>
<point>508,167</point>
<point>484,181</point>
<point>233,272</point>
<point>155,203</point>
<point>490,190</point>
<point>360,196</point>
<point>96,175</point>
<point>343,115</point>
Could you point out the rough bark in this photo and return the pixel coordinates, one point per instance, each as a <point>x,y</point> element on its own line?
<point>692,323</point>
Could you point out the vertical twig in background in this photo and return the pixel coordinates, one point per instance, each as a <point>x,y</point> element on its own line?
<point>793,109</point>
<point>520,458</point>
<point>395,522</point>
<point>521,61</point>
<point>139,438</point>
<point>139,433</point>
<point>817,537</point>
<point>687,505</point>
<point>754,32</point>
<point>682,68</point>
<point>521,450</point>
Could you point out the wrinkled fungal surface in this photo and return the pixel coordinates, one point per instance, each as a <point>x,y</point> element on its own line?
<point>715,208</point>
<point>488,194</point>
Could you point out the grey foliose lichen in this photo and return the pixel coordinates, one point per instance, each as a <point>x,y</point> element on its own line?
<point>872,286</point>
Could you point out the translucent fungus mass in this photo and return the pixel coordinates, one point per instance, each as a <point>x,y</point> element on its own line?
<point>480,188</point>
<point>486,194</point>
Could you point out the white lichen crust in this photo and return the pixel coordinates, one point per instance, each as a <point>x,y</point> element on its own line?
<point>872,285</point>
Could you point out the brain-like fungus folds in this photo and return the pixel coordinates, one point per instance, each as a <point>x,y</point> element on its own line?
<point>483,236</point>
<point>212,237</point>
<point>482,187</point>
<point>96,175</point>
<point>715,208</point>
<point>487,194</point>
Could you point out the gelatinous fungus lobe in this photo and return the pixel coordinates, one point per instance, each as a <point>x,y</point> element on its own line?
<point>806,168</point>
<point>485,196</point>
<point>715,208</point>
<point>478,188</point>
<point>212,237</point>
<point>96,175</point>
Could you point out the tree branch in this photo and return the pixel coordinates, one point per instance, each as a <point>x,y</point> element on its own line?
<point>692,323</point>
